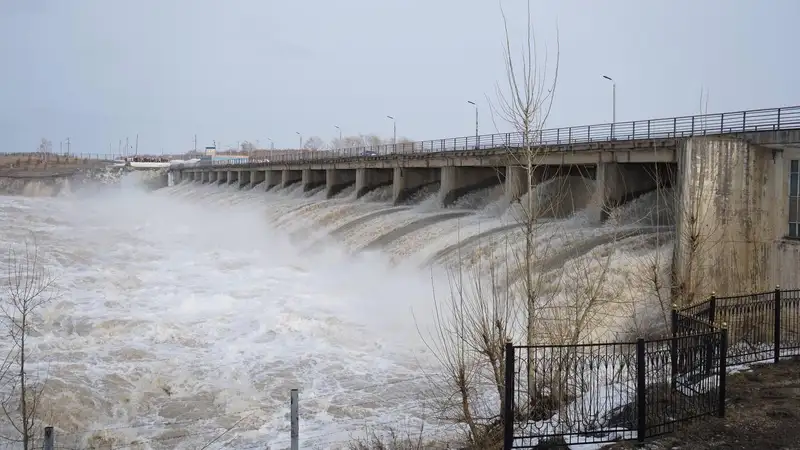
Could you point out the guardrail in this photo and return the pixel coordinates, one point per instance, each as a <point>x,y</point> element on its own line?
<point>665,128</point>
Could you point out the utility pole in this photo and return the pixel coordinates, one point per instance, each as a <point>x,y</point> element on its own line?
<point>127,146</point>
<point>195,143</point>
<point>613,98</point>
<point>477,136</point>
<point>394,130</point>
<point>301,140</point>
<point>68,146</point>
<point>137,144</point>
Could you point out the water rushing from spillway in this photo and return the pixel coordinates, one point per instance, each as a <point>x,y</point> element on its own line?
<point>195,309</point>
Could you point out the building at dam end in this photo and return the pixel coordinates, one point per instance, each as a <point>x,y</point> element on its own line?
<point>733,181</point>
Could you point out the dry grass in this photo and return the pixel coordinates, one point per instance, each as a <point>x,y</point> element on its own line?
<point>33,164</point>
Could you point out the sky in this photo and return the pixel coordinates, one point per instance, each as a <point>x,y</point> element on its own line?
<point>101,71</point>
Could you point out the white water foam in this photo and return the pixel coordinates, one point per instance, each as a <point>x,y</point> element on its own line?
<point>185,311</point>
<point>189,309</point>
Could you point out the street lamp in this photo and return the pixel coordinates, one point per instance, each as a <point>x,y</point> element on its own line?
<point>301,140</point>
<point>613,98</point>
<point>477,139</point>
<point>394,129</point>
<point>340,133</point>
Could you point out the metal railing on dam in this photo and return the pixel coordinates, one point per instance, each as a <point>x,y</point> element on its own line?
<point>771,119</point>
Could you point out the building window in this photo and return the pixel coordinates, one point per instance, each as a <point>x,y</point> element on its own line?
<point>794,199</point>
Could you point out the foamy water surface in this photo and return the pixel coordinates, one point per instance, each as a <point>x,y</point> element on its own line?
<point>195,309</point>
<point>179,317</point>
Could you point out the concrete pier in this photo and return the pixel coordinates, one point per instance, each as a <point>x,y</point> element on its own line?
<point>370,179</point>
<point>457,181</point>
<point>244,178</point>
<point>272,178</point>
<point>313,179</point>
<point>729,193</point>
<point>233,177</point>
<point>407,181</point>
<point>290,177</point>
<point>337,180</point>
<point>256,177</point>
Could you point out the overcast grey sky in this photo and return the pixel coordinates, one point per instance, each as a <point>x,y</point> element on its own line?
<point>100,70</point>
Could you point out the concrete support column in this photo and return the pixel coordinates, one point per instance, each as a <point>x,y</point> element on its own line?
<point>312,179</point>
<point>233,177</point>
<point>516,183</point>
<point>457,181</point>
<point>213,177</point>
<point>222,177</point>
<point>608,191</point>
<point>244,178</point>
<point>272,178</point>
<point>369,179</point>
<point>337,180</point>
<point>256,177</point>
<point>407,181</point>
<point>289,177</point>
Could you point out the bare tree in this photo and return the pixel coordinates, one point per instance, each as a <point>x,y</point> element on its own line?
<point>540,283</point>
<point>314,143</point>
<point>28,287</point>
<point>248,147</point>
<point>45,146</point>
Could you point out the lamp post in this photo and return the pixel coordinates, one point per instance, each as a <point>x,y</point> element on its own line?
<point>301,140</point>
<point>613,98</point>
<point>477,138</point>
<point>394,130</point>
<point>340,133</point>
<point>271,144</point>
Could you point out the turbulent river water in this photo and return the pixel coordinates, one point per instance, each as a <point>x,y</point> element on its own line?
<point>193,310</point>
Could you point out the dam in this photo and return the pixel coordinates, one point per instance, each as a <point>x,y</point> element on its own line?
<point>724,172</point>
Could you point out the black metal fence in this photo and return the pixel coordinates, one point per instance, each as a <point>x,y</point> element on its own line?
<point>595,393</point>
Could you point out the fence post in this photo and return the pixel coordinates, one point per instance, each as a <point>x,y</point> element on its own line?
<point>723,369</point>
<point>673,348</point>
<point>49,438</point>
<point>641,392</point>
<point>295,422</point>
<point>712,308</point>
<point>777,330</point>
<point>508,405</point>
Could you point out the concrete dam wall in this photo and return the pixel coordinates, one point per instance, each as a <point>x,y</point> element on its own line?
<point>728,198</point>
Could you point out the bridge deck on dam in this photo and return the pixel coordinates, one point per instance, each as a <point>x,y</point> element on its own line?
<point>648,140</point>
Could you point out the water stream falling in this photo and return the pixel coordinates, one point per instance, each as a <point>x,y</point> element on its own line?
<point>189,310</point>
